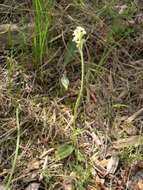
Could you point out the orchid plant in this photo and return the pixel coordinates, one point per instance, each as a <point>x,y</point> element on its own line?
<point>78,37</point>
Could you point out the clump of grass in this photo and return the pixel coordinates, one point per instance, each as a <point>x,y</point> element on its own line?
<point>47,118</point>
<point>43,21</point>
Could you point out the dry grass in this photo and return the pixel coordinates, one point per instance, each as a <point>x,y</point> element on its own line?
<point>113,93</point>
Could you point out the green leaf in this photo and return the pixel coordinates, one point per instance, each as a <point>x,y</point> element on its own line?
<point>70,52</point>
<point>64,151</point>
<point>65,82</point>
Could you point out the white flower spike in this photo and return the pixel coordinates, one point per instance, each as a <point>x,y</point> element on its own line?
<point>79,34</point>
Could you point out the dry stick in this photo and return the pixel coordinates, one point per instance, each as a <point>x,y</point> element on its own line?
<point>16,151</point>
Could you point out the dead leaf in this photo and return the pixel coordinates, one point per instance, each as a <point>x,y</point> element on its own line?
<point>112,164</point>
<point>33,186</point>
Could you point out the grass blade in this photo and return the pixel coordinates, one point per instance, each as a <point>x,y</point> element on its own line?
<point>16,151</point>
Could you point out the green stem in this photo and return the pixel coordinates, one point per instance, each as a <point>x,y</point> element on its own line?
<point>81,87</point>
